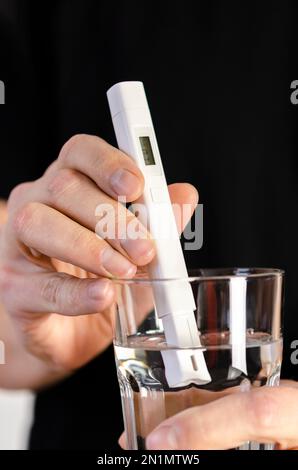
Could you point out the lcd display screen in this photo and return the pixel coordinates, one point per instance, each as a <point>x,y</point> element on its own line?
<point>147,150</point>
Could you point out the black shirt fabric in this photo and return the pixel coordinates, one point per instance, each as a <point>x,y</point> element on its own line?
<point>217,76</point>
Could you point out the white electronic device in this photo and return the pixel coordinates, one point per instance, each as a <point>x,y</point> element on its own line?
<point>174,300</point>
<point>237,291</point>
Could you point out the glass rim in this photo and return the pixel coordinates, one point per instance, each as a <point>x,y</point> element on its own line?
<point>222,274</point>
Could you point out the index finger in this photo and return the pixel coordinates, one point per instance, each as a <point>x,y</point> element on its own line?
<point>112,170</point>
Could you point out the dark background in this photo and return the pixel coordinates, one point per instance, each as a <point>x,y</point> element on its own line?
<point>217,76</point>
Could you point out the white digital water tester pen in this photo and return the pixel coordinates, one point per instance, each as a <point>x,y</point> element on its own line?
<point>174,301</point>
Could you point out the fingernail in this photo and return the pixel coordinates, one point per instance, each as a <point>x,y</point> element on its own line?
<point>125,183</point>
<point>140,251</point>
<point>164,438</point>
<point>98,289</point>
<point>116,264</point>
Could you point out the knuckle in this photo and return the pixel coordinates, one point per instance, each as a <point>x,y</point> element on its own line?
<point>23,218</point>
<point>75,142</point>
<point>63,181</point>
<point>89,243</point>
<point>96,246</point>
<point>72,293</point>
<point>51,168</point>
<point>82,238</point>
<point>51,290</point>
<point>61,293</point>
<point>17,194</point>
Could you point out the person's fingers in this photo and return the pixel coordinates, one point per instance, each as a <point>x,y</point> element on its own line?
<point>266,415</point>
<point>122,441</point>
<point>112,170</point>
<point>81,189</point>
<point>51,233</point>
<point>76,196</point>
<point>68,188</point>
<point>184,198</point>
<point>57,292</point>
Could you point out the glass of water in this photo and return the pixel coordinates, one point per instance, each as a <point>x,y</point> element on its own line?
<point>238,316</point>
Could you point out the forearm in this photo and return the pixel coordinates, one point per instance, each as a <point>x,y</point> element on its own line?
<point>20,369</point>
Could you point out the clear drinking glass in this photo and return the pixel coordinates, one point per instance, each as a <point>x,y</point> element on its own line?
<point>238,314</point>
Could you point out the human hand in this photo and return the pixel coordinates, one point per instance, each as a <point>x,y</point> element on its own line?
<point>54,268</point>
<point>266,415</point>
